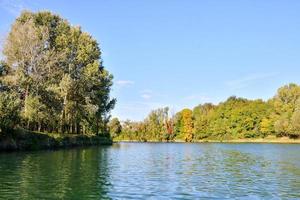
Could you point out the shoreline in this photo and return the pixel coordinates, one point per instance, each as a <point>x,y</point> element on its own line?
<point>270,140</point>
<point>258,140</point>
<point>23,140</point>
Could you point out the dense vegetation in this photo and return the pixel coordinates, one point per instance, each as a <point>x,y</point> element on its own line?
<point>233,119</point>
<point>52,78</point>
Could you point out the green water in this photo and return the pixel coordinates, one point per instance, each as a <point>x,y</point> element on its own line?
<point>154,171</point>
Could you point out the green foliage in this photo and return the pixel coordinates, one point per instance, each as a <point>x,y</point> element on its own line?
<point>115,127</point>
<point>286,110</point>
<point>295,124</point>
<point>52,79</point>
<point>34,111</point>
<point>178,124</point>
<point>156,123</point>
<point>158,126</point>
<point>9,111</point>
<point>57,73</point>
<point>202,115</point>
<point>233,119</point>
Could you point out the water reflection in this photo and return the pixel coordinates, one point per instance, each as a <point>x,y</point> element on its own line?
<point>154,171</point>
<point>66,174</point>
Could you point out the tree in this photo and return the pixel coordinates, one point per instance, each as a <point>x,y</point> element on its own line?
<point>57,71</point>
<point>177,119</point>
<point>232,119</point>
<point>266,126</point>
<point>115,127</point>
<point>157,123</point>
<point>286,104</point>
<point>202,115</point>
<point>295,124</point>
<point>187,125</point>
<point>9,111</point>
<point>34,112</point>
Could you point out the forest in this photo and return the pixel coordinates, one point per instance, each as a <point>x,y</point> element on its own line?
<point>52,78</point>
<point>235,118</point>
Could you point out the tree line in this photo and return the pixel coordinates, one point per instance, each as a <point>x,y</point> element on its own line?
<point>233,119</point>
<point>52,78</point>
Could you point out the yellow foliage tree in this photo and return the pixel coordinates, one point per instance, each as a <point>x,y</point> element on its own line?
<point>187,125</point>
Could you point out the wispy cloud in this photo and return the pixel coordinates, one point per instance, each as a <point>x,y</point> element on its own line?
<point>123,83</point>
<point>147,94</point>
<point>147,91</point>
<point>138,110</point>
<point>14,7</point>
<point>248,80</point>
<point>198,98</point>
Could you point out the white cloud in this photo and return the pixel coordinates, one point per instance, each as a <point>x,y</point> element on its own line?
<point>123,83</point>
<point>146,96</point>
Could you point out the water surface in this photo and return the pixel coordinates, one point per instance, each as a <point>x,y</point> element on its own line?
<point>154,171</point>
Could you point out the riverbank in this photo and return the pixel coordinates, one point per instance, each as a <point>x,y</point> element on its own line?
<point>269,139</point>
<point>21,139</point>
<point>281,140</point>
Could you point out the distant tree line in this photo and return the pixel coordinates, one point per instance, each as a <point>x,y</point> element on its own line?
<point>52,78</point>
<point>233,119</point>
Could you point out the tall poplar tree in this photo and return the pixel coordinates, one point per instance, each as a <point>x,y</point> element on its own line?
<point>57,73</point>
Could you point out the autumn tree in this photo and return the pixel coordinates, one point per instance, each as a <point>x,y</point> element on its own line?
<point>187,125</point>
<point>232,119</point>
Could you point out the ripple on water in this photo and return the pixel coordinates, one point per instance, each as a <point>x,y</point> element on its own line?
<point>154,171</point>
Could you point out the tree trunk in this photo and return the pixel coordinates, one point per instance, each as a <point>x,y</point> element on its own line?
<point>39,126</point>
<point>63,114</point>
<point>70,128</point>
<point>97,127</point>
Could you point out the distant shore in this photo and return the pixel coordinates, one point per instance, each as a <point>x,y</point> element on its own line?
<point>274,140</point>
<point>282,140</point>
<point>22,140</point>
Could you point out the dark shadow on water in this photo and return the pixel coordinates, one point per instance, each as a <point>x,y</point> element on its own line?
<point>80,173</point>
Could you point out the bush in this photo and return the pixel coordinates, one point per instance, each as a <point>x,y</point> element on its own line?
<point>9,111</point>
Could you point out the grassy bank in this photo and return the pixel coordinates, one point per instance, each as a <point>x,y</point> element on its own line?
<point>26,140</point>
<point>269,139</point>
<point>279,140</point>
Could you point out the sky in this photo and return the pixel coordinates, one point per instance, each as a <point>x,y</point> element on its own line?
<point>183,53</point>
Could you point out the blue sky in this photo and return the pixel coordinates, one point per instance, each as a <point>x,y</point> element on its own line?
<point>183,53</point>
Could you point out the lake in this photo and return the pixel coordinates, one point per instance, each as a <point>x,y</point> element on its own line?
<point>154,171</point>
